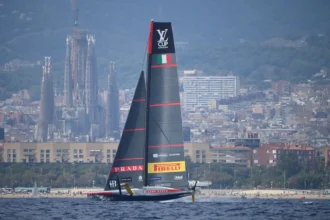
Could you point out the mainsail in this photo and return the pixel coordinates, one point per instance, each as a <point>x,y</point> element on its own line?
<point>165,162</point>
<point>128,164</point>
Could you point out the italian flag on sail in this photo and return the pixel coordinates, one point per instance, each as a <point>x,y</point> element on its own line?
<point>164,59</point>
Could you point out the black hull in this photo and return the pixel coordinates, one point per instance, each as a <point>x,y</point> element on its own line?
<point>140,197</point>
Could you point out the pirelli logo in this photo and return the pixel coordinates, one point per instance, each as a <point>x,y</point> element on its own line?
<point>167,167</point>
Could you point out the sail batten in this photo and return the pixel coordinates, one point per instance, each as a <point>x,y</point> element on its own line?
<point>164,66</point>
<point>166,146</point>
<point>133,129</point>
<point>165,104</point>
<point>141,158</point>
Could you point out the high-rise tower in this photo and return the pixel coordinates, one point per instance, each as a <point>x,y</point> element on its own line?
<point>46,120</point>
<point>112,108</point>
<point>80,81</point>
<point>68,85</point>
<point>91,81</point>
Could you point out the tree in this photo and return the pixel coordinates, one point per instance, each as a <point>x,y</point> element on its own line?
<point>288,162</point>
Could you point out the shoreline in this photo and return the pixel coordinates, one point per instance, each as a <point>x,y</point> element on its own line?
<point>203,193</point>
<point>265,194</point>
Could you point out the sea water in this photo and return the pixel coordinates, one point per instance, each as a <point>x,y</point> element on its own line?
<point>203,208</point>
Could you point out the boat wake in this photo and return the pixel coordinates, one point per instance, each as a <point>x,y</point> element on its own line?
<point>198,199</point>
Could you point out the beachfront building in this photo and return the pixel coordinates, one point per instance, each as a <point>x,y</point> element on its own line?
<point>205,153</point>
<point>269,154</point>
<point>19,152</point>
<point>265,155</point>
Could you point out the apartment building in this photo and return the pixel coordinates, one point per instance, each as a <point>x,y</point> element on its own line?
<point>204,153</point>
<point>105,153</point>
<point>269,154</point>
<point>199,90</point>
<point>59,152</point>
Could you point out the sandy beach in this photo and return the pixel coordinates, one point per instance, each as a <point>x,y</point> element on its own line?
<point>208,193</point>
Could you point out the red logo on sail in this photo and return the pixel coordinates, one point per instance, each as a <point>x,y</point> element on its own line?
<point>167,167</point>
<point>127,169</point>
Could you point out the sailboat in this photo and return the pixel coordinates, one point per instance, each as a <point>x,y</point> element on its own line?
<point>150,163</point>
<point>35,191</point>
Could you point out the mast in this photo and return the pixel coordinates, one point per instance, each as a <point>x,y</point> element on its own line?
<point>148,103</point>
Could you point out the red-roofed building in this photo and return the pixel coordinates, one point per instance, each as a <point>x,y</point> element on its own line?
<point>269,154</point>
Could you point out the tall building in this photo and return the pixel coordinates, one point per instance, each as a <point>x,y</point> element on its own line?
<point>46,121</point>
<point>91,84</point>
<point>199,90</point>
<point>112,108</point>
<point>68,84</point>
<point>81,110</point>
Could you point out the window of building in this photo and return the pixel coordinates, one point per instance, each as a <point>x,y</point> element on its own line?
<point>75,151</point>
<point>80,151</point>
<point>42,151</point>
<point>108,151</point>
<point>14,151</point>
<point>81,156</point>
<point>8,150</point>
<point>26,150</point>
